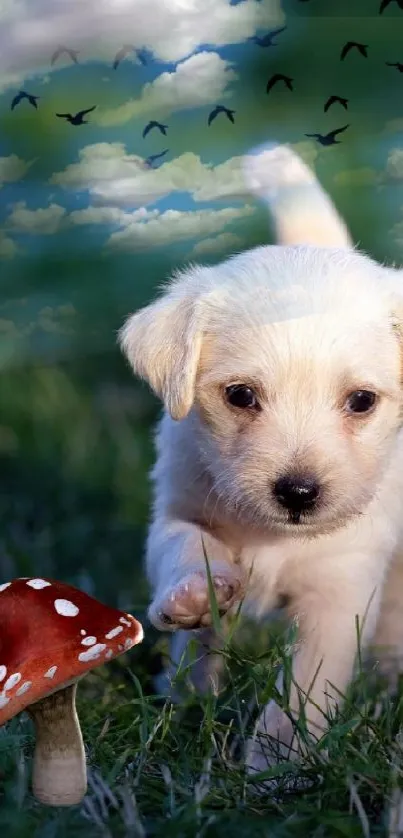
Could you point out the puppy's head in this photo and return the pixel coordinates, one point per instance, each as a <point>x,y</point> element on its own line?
<point>289,360</point>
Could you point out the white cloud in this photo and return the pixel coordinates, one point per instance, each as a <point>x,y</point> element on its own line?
<point>114,177</point>
<point>8,248</point>
<point>172,29</point>
<point>12,168</point>
<point>226,180</point>
<point>137,230</point>
<point>173,226</point>
<point>216,244</point>
<point>109,215</point>
<point>99,163</point>
<point>43,221</point>
<point>200,80</point>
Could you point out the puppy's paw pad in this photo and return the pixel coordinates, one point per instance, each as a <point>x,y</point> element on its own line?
<point>187,605</point>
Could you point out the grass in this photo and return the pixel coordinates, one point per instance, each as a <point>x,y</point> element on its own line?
<point>74,499</point>
<point>160,770</point>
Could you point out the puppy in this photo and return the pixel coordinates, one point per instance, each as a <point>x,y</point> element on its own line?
<point>280,450</point>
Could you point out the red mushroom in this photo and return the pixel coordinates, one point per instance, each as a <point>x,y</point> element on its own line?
<point>51,634</point>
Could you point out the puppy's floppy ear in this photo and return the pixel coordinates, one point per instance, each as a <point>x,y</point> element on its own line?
<point>163,343</point>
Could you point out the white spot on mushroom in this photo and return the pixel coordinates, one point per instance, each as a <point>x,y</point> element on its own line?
<point>89,641</point>
<point>108,654</point>
<point>82,632</point>
<point>66,608</point>
<point>24,688</point>
<point>129,642</point>
<point>51,672</point>
<point>124,621</point>
<point>114,632</point>
<point>92,652</point>
<point>38,584</point>
<point>4,586</point>
<point>4,699</point>
<point>12,681</point>
<point>120,647</point>
<point>3,672</point>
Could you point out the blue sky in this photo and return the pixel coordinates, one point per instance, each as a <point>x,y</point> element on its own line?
<point>67,190</point>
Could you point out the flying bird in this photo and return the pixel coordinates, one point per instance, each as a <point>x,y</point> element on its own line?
<point>150,160</point>
<point>60,50</point>
<point>362,48</point>
<point>23,95</point>
<point>395,64</point>
<point>267,40</point>
<point>333,99</point>
<point>154,124</point>
<point>221,109</point>
<point>330,138</point>
<point>77,118</point>
<point>279,77</point>
<point>121,54</point>
<point>386,3</point>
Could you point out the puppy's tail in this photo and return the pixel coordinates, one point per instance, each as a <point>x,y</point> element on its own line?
<point>301,210</point>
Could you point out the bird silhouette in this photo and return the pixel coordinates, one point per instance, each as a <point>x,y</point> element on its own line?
<point>150,160</point>
<point>267,40</point>
<point>121,54</point>
<point>60,50</point>
<point>333,99</point>
<point>221,109</point>
<point>386,3</point>
<point>279,77</point>
<point>154,124</point>
<point>328,139</point>
<point>362,48</point>
<point>24,95</point>
<point>395,64</point>
<point>77,118</point>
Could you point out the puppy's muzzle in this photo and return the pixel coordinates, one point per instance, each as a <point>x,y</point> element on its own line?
<point>296,494</point>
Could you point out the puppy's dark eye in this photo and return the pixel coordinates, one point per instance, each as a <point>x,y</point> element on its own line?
<point>361,401</point>
<point>239,395</point>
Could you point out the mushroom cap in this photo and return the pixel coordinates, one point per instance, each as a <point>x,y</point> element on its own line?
<point>50,635</point>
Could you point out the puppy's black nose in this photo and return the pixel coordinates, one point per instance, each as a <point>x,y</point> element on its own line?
<point>295,493</point>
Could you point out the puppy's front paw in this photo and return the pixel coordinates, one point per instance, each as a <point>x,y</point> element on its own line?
<point>273,742</point>
<point>262,756</point>
<point>187,604</point>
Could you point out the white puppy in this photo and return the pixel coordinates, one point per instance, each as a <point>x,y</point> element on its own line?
<point>280,450</point>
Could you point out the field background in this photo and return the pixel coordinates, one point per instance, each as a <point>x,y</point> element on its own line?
<point>87,233</point>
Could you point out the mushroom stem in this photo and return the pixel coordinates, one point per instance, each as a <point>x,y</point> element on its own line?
<point>59,774</point>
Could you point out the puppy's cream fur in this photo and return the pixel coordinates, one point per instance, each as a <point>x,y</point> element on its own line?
<point>304,326</point>
<point>301,210</point>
